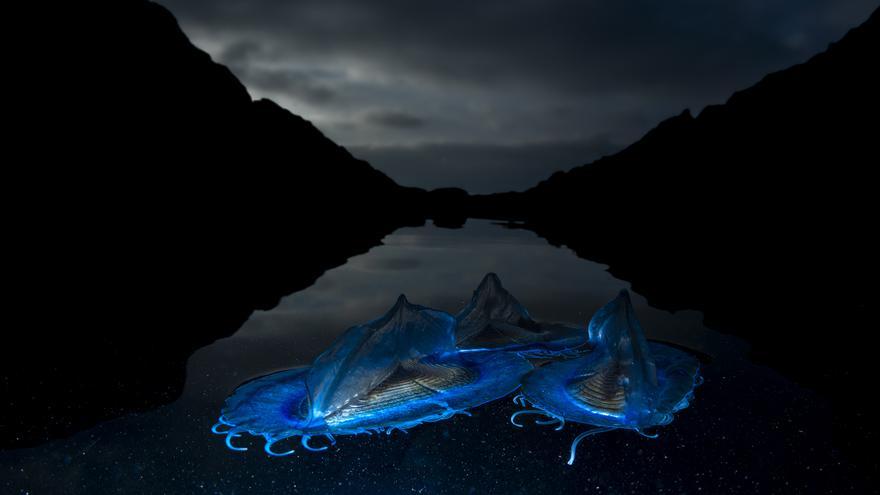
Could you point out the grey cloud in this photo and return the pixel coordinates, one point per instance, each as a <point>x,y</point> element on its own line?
<point>244,58</point>
<point>392,118</point>
<point>500,72</point>
<point>239,54</point>
<point>299,85</point>
<point>397,263</point>
<point>683,45</point>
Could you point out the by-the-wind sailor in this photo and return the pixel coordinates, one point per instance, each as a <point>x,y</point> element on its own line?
<point>495,320</point>
<point>624,383</point>
<point>395,372</point>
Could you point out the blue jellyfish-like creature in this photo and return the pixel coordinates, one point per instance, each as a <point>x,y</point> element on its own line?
<point>625,382</point>
<point>392,373</point>
<point>495,320</point>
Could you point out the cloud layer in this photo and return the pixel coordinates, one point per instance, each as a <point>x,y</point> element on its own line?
<point>406,80</point>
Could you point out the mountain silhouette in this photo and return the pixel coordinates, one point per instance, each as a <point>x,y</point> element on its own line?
<point>154,206</point>
<point>758,212</point>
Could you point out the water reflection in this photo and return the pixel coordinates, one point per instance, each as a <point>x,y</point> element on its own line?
<point>438,268</point>
<point>741,411</point>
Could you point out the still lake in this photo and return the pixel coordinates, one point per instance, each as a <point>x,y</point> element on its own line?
<point>748,429</point>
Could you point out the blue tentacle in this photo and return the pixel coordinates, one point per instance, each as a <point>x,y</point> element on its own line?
<point>588,433</point>
<point>215,429</point>
<point>646,435</point>
<point>553,420</point>
<point>305,443</point>
<point>229,436</point>
<point>527,411</point>
<point>268,449</point>
<point>561,423</point>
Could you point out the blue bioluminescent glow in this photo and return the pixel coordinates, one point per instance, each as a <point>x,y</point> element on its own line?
<point>392,373</point>
<point>495,320</point>
<point>415,365</point>
<point>625,382</point>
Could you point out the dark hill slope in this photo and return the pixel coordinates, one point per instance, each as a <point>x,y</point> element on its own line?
<point>153,205</point>
<point>760,212</point>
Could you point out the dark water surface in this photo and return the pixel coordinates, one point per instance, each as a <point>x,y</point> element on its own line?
<point>748,430</point>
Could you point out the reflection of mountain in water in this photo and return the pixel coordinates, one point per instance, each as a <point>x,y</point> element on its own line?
<point>757,212</point>
<point>170,206</point>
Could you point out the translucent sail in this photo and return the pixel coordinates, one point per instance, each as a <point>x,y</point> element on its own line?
<point>492,306</point>
<point>365,355</point>
<point>622,362</point>
<point>494,319</point>
<point>390,374</point>
<point>624,383</point>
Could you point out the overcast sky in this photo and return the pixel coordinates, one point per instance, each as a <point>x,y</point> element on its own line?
<point>496,95</point>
